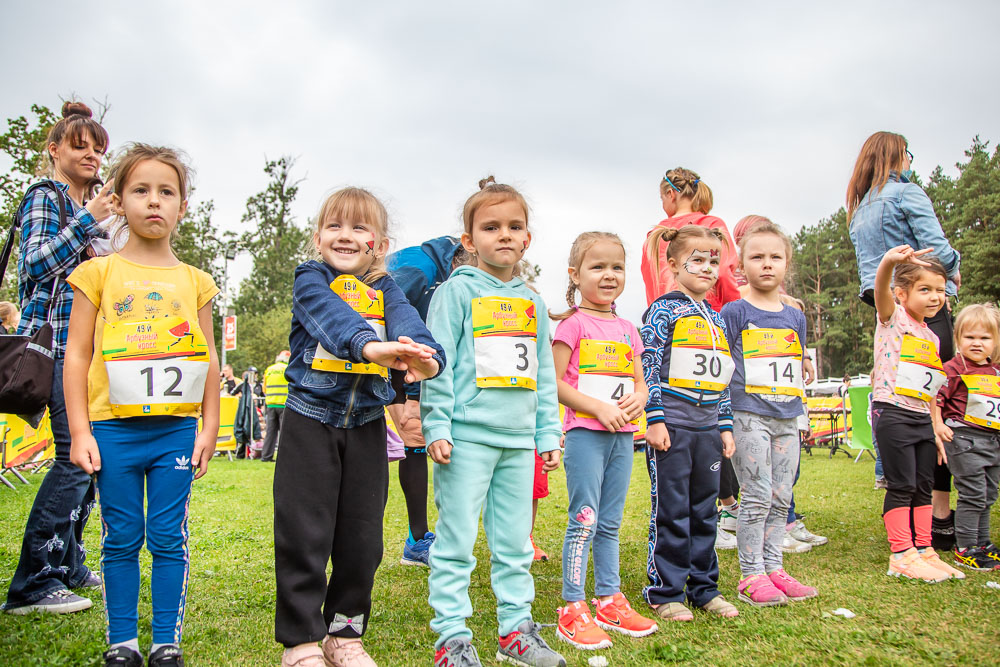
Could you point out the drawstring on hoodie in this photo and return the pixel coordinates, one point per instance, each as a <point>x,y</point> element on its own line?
<point>711,324</point>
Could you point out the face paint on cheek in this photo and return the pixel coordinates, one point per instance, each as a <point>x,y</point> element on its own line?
<point>371,246</point>
<point>689,265</point>
<point>524,247</point>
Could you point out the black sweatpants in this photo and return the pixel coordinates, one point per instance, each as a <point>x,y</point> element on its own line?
<point>906,444</point>
<point>729,485</point>
<point>685,484</point>
<point>943,326</point>
<point>273,417</point>
<point>330,490</point>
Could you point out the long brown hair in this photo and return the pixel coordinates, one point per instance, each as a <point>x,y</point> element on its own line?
<point>77,120</point>
<point>577,252</point>
<point>883,152</point>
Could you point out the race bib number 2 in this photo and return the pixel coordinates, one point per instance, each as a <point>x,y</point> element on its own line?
<point>504,332</point>
<point>983,406</point>
<point>920,373</point>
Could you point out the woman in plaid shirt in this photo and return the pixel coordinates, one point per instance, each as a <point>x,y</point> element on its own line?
<point>52,553</point>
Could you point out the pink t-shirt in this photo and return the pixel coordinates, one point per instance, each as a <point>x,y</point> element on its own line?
<point>580,326</point>
<point>888,343</point>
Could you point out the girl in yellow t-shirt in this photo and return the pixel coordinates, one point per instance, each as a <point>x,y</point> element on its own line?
<point>140,367</point>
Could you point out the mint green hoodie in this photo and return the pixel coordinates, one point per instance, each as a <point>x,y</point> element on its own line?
<point>453,407</point>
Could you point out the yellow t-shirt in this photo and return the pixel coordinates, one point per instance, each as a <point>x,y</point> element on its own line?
<point>152,312</point>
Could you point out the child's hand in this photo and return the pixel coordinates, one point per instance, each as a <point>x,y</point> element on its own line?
<point>658,437</point>
<point>440,451</point>
<point>393,354</point>
<point>420,369</point>
<point>728,444</point>
<point>633,404</point>
<point>611,416</point>
<point>550,460</point>
<point>943,432</point>
<point>204,449</point>
<point>904,254</point>
<point>942,457</point>
<point>808,370</point>
<point>84,454</point>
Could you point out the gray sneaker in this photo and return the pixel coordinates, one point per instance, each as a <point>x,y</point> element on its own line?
<point>93,580</point>
<point>56,602</point>
<point>457,653</point>
<point>526,647</point>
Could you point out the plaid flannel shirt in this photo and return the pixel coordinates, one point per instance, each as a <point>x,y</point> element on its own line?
<point>48,253</point>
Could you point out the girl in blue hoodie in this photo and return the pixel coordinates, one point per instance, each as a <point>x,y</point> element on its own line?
<point>350,324</point>
<point>483,416</point>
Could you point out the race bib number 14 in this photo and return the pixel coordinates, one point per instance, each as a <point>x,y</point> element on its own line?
<point>504,332</point>
<point>772,359</point>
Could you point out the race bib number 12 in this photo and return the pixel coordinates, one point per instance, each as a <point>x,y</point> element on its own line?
<point>504,332</point>
<point>920,373</point>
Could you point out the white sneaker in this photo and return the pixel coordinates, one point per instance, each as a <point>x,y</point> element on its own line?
<point>802,534</point>
<point>790,545</point>
<point>728,518</point>
<point>724,540</point>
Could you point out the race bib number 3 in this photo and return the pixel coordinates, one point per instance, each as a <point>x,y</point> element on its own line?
<point>504,332</point>
<point>772,360</point>
<point>155,367</point>
<point>607,371</point>
<point>366,302</point>
<point>920,373</point>
<point>696,360</point>
<point>983,406</point>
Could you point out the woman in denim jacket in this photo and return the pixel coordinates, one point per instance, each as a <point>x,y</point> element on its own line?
<point>885,210</point>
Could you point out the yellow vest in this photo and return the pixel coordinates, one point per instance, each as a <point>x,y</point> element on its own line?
<point>275,385</point>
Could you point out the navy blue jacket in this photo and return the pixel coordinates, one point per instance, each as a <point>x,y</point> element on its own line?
<point>419,270</point>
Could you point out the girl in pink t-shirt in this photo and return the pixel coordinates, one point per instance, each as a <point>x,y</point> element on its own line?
<point>598,359</point>
<point>906,379</point>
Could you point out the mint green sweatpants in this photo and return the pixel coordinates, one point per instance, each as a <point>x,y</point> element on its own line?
<point>497,482</point>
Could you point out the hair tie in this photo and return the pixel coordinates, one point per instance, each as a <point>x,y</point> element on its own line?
<point>696,181</point>
<point>670,183</point>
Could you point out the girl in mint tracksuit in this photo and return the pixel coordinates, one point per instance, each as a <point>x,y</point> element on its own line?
<point>483,417</point>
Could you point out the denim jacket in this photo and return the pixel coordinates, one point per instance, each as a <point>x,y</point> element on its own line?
<point>320,316</point>
<point>901,212</point>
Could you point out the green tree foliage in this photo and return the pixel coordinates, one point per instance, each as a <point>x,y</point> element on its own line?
<point>199,243</point>
<point>278,244</point>
<point>260,336</point>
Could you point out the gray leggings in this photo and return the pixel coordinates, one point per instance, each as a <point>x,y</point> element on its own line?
<point>767,455</point>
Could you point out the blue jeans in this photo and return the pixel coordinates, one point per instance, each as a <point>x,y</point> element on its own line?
<point>598,469</point>
<point>52,553</point>
<point>151,457</point>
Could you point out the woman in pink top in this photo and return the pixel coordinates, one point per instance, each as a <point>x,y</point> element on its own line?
<point>687,201</point>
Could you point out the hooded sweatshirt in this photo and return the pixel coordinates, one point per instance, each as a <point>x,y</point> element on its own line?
<point>453,406</point>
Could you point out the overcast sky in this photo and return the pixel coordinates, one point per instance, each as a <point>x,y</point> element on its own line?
<point>581,106</point>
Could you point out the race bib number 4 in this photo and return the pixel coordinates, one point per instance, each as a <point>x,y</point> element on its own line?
<point>366,302</point>
<point>696,360</point>
<point>155,367</point>
<point>983,406</point>
<point>772,360</point>
<point>607,371</point>
<point>920,373</point>
<point>504,332</point>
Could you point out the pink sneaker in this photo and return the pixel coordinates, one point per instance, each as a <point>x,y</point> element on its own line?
<point>785,583</point>
<point>758,590</point>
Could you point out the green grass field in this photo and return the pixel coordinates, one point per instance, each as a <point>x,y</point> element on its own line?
<point>231,594</point>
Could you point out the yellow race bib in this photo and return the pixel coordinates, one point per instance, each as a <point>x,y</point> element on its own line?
<point>772,361</point>
<point>983,406</point>
<point>366,302</point>
<point>607,371</point>
<point>155,367</point>
<point>694,364</point>
<point>920,373</point>
<point>504,332</point>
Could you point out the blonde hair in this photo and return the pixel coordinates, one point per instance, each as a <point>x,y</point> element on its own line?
<point>77,120</point>
<point>124,166</point>
<point>353,204</point>
<point>9,314</point>
<point>677,240</point>
<point>490,192</point>
<point>882,152</point>
<point>688,185</point>
<point>577,252</point>
<point>984,315</point>
<point>762,225</point>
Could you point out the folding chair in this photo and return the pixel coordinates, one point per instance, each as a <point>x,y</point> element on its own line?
<point>859,421</point>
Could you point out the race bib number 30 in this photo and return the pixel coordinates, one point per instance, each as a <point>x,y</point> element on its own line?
<point>772,360</point>
<point>155,367</point>
<point>696,360</point>
<point>607,370</point>
<point>366,302</point>
<point>920,373</point>
<point>983,406</point>
<point>504,332</point>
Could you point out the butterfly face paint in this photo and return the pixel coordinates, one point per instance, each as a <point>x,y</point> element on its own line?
<point>703,262</point>
<point>699,271</point>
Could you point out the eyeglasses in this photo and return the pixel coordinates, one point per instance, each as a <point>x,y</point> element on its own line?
<point>909,155</point>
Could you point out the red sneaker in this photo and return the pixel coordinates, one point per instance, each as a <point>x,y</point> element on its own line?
<point>617,614</point>
<point>576,627</point>
<point>539,554</point>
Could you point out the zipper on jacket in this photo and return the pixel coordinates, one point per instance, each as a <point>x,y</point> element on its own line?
<point>350,399</point>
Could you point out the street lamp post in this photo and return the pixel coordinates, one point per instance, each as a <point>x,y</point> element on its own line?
<point>230,255</point>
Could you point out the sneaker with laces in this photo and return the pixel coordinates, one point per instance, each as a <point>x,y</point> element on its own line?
<point>577,627</point>
<point>729,517</point>
<point>345,652</point>
<point>122,656</point>
<point>526,647</point>
<point>931,558</point>
<point>417,552</point>
<point>457,653</point>
<point>975,558</point>
<point>61,601</point>
<point>304,655</point>
<point>802,534</point>
<point>792,588</point>
<point>790,545</point>
<point>93,580</point>
<point>167,656</point>
<point>758,590</point>
<point>539,554</point>
<point>617,614</point>
<point>910,565</point>
<point>880,483</point>
<point>992,554</point>
<point>724,540</point>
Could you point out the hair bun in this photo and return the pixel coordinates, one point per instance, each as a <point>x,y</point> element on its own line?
<point>489,180</point>
<point>76,109</point>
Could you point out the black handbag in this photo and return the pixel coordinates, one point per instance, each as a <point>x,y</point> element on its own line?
<point>27,362</point>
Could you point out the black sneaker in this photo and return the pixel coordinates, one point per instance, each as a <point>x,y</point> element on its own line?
<point>122,656</point>
<point>167,656</point>
<point>943,533</point>
<point>993,555</point>
<point>974,558</point>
